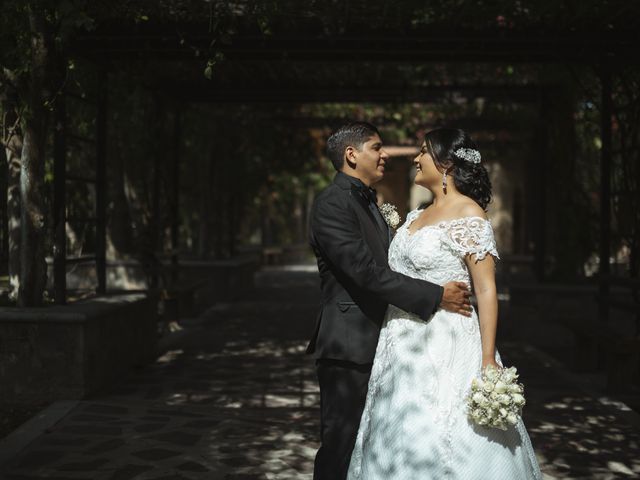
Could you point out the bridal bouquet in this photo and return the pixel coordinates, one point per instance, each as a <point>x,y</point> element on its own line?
<point>496,399</point>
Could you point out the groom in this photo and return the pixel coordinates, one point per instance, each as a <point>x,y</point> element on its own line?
<point>351,239</point>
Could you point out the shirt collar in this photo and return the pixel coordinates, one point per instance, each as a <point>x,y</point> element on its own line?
<point>356,182</point>
<point>368,193</point>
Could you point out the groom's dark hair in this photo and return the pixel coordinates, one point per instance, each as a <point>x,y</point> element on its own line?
<point>353,134</point>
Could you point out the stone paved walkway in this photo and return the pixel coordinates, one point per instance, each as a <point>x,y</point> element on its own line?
<point>233,397</point>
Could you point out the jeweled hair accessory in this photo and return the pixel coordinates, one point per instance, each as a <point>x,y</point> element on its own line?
<point>468,154</point>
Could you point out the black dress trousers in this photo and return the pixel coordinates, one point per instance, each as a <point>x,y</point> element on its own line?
<point>343,391</point>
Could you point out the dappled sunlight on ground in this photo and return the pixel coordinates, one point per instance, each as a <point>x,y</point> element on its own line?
<point>578,436</point>
<point>576,433</point>
<point>234,397</point>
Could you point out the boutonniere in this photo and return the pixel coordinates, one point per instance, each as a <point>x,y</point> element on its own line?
<point>390,215</point>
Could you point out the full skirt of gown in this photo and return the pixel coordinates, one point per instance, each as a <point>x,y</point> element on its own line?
<point>415,423</point>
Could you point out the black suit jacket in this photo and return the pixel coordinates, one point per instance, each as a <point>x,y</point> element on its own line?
<point>356,281</point>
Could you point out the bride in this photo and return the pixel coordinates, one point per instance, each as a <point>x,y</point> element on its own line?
<point>414,425</point>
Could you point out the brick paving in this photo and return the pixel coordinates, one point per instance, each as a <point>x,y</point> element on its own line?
<point>233,397</point>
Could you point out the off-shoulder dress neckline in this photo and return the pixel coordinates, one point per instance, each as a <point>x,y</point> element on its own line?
<point>440,224</point>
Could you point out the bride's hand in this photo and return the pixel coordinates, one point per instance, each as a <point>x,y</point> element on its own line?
<point>490,361</point>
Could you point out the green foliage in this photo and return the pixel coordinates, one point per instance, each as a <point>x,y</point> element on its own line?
<point>261,157</point>
<point>63,19</point>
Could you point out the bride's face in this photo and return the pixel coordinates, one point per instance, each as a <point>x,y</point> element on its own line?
<point>427,173</point>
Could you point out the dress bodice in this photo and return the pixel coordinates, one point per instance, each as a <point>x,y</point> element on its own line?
<point>436,253</point>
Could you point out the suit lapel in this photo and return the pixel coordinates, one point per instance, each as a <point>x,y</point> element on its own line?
<point>383,235</point>
<point>342,180</point>
<point>389,236</point>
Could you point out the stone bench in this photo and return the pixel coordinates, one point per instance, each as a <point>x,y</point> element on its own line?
<point>554,297</point>
<point>623,351</point>
<point>200,283</point>
<point>272,255</point>
<point>595,344</point>
<point>289,254</point>
<point>72,351</point>
<point>620,351</point>
<point>179,299</point>
<point>223,280</point>
<point>585,353</point>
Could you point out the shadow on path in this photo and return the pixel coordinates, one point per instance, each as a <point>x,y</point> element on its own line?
<point>234,397</point>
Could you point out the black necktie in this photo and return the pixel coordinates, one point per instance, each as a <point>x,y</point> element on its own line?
<point>371,195</point>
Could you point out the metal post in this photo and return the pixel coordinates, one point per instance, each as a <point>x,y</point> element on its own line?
<point>605,191</point>
<point>540,172</point>
<point>175,214</point>
<point>101,186</point>
<point>155,245</point>
<point>60,202</point>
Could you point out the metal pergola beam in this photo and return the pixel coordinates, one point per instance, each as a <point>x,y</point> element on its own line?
<point>204,93</point>
<point>395,46</point>
<point>479,123</point>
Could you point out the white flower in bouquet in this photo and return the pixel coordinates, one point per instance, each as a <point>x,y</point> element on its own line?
<point>390,215</point>
<point>496,399</point>
<point>500,387</point>
<point>515,388</point>
<point>509,375</point>
<point>476,415</point>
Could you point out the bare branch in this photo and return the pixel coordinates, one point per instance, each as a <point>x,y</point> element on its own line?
<point>9,132</point>
<point>11,84</point>
<point>9,77</point>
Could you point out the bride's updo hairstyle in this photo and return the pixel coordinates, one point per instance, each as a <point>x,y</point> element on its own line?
<point>470,178</point>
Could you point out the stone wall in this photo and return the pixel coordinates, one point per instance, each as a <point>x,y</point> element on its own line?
<point>71,351</point>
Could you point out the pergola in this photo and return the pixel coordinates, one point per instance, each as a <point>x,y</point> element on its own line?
<point>367,66</point>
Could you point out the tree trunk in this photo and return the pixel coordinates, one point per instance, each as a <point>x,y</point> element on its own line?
<point>33,268</point>
<point>33,271</point>
<point>4,225</point>
<point>13,151</point>
<point>120,216</point>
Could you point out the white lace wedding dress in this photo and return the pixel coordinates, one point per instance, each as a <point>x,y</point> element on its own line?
<point>414,424</point>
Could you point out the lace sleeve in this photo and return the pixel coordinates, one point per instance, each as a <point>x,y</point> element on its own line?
<point>471,236</point>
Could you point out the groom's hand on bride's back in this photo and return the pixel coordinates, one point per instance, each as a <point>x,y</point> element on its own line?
<point>456,298</point>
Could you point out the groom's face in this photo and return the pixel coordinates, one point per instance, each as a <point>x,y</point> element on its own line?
<point>369,160</point>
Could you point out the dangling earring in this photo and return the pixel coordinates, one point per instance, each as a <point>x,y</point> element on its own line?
<point>444,182</point>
